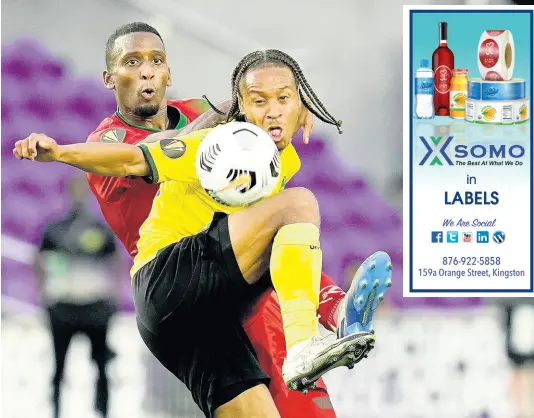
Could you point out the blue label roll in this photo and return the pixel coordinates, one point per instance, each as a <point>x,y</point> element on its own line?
<point>514,89</point>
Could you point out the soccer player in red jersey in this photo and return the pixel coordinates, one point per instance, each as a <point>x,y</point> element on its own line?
<point>126,202</point>
<point>138,74</point>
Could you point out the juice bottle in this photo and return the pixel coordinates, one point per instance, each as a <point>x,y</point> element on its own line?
<point>458,93</point>
<point>442,65</point>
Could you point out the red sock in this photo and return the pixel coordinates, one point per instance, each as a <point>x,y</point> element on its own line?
<point>330,297</point>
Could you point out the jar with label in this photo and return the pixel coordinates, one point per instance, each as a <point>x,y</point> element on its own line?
<point>458,93</point>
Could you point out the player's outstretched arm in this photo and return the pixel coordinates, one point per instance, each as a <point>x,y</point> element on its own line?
<point>117,160</point>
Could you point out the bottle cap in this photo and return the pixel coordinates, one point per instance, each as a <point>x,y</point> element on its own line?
<point>460,70</point>
<point>424,63</point>
<point>442,29</point>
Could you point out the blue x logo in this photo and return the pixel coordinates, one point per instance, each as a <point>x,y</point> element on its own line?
<point>432,151</point>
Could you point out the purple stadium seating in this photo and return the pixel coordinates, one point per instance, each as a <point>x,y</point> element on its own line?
<point>38,95</point>
<point>18,281</point>
<point>80,99</point>
<point>27,60</point>
<point>13,93</point>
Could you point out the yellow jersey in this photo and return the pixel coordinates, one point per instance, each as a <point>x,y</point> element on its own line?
<point>182,208</point>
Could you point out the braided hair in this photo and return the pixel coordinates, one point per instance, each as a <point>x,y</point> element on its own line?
<point>258,59</point>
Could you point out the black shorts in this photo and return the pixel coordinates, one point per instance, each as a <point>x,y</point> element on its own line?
<point>189,303</point>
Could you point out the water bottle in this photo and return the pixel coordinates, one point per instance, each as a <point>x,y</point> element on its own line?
<point>424,92</point>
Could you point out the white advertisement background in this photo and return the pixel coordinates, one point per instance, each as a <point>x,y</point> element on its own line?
<point>423,217</point>
<point>429,210</point>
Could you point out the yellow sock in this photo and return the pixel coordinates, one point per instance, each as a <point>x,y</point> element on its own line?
<point>296,264</point>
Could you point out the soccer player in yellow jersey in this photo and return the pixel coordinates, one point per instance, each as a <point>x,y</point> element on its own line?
<point>198,259</point>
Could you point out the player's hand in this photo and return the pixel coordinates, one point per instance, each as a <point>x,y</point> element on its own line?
<point>37,147</point>
<point>306,122</point>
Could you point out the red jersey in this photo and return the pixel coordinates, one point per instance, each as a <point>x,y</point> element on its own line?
<point>126,212</point>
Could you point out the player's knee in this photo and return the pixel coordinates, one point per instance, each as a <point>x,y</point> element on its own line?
<point>301,206</point>
<point>255,401</point>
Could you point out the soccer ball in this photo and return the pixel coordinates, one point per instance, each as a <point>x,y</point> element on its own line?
<point>238,164</point>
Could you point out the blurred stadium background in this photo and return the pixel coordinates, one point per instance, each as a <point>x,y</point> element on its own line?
<point>435,358</point>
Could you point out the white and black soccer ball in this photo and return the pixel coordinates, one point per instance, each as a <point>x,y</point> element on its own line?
<point>238,164</point>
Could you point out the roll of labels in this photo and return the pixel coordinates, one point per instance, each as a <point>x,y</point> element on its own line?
<point>497,112</point>
<point>479,89</point>
<point>496,98</point>
<point>496,55</point>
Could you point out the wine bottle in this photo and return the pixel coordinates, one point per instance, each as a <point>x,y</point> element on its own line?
<point>442,65</point>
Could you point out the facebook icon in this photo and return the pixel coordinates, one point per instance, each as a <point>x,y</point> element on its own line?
<point>483,237</point>
<point>437,236</point>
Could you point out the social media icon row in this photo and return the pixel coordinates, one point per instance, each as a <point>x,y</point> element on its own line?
<point>482,237</point>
